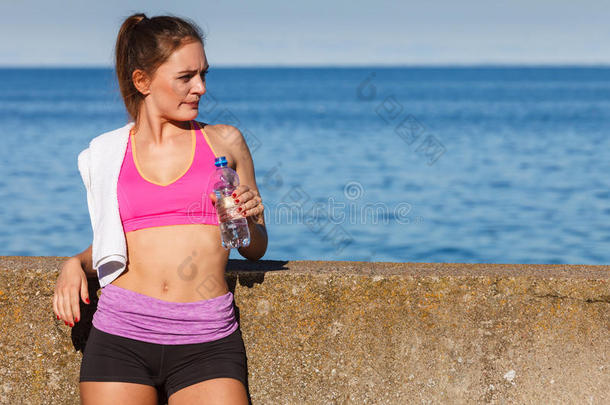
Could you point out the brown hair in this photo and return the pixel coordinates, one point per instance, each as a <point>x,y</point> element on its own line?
<point>145,43</point>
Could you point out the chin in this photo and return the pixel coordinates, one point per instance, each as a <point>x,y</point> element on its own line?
<point>188,116</point>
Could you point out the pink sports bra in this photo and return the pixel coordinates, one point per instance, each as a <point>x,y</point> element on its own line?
<point>144,203</point>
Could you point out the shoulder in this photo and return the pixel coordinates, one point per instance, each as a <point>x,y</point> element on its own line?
<point>227,140</point>
<point>226,134</point>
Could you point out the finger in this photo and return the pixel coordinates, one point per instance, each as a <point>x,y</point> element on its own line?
<point>241,189</point>
<point>246,205</point>
<point>55,309</point>
<point>254,211</point>
<point>241,199</point>
<point>84,290</point>
<point>245,197</point>
<point>74,302</point>
<point>252,203</point>
<point>67,309</point>
<point>60,307</point>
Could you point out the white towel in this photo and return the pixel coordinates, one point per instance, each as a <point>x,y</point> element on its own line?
<point>99,166</point>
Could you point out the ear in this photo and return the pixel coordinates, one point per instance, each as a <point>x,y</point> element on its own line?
<point>141,81</point>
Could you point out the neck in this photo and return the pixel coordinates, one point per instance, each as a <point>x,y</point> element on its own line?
<point>158,130</point>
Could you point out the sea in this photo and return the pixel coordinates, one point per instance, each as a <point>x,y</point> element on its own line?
<point>464,164</point>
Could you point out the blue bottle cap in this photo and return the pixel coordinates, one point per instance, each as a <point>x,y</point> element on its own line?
<point>220,161</point>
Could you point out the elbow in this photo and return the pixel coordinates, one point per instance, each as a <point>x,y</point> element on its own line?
<point>258,244</point>
<point>254,258</point>
<point>253,254</point>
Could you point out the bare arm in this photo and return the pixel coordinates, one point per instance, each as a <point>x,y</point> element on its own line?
<point>86,261</point>
<point>258,240</point>
<point>244,167</point>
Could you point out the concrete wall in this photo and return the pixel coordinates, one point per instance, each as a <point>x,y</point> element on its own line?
<point>358,332</point>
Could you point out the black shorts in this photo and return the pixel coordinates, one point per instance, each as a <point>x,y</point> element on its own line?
<point>168,368</point>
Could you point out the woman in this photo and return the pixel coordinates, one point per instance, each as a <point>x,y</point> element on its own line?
<point>164,328</point>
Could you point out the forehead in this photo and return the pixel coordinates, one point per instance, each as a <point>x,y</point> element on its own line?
<point>190,56</point>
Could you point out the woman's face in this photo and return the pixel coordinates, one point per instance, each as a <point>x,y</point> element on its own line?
<point>179,83</point>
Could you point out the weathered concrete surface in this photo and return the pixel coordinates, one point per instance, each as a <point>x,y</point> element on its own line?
<point>357,332</point>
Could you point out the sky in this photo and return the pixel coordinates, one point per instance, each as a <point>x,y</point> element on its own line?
<point>322,33</point>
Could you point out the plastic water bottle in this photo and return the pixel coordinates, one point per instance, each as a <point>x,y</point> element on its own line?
<point>234,232</point>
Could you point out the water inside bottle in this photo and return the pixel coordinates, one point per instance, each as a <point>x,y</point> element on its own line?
<point>234,233</point>
<point>233,226</point>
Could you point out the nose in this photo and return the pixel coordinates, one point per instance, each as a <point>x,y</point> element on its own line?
<point>199,87</point>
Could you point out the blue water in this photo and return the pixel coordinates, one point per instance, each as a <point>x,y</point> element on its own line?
<point>476,165</point>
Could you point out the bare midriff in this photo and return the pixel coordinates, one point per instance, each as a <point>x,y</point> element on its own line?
<point>177,263</point>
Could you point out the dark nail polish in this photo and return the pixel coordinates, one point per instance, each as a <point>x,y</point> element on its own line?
<point>87,300</point>
<point>236,200</point>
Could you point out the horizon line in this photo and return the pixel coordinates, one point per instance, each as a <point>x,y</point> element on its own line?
<point>347,66</point>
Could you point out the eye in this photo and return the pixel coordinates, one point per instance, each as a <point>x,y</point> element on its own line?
<point>186,78</point>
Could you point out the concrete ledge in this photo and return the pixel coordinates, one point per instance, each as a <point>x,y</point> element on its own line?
<point>358,332</point>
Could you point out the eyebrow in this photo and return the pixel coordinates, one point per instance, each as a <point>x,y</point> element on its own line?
<point>193,71</point>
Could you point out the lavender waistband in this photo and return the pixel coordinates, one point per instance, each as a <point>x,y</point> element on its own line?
<point>137,316</point>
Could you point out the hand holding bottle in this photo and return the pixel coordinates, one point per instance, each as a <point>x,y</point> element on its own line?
<point>247,201</point>
<point>224,181</point>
